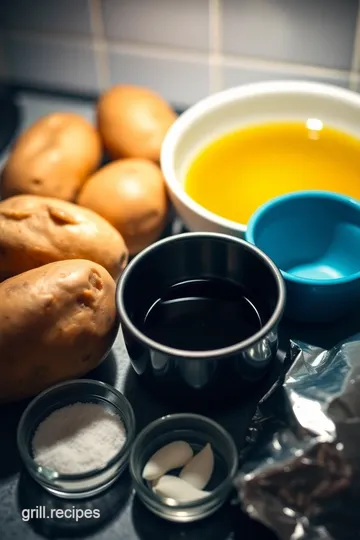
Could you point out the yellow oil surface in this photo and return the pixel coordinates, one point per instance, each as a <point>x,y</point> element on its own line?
<point>237,173</point>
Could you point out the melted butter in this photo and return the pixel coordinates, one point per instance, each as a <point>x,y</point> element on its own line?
<point>235,174</point>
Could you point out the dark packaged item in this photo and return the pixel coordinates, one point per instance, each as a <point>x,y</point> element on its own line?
<point>301,477</point>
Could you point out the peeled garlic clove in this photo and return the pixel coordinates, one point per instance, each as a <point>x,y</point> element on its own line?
<point>199,469</point>
<point>177,489</point>
<point>173,455</point>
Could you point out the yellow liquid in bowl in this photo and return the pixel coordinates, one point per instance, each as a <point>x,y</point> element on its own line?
<point>237,173</point>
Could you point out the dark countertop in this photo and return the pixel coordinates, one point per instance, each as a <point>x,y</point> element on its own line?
<point>122,515</point>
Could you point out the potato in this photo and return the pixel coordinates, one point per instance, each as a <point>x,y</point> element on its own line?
<point>131,195</point>
<point>39,230</point>
<point>52,158</point>
<point>133,122</point>
<point>56,323</point>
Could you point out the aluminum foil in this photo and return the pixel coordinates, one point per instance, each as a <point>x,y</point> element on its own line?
<point>302,475</point>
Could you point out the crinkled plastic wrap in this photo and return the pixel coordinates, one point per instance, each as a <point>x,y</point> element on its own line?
<point>302,476</point>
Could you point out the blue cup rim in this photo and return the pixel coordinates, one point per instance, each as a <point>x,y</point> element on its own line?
<point>314,194</point>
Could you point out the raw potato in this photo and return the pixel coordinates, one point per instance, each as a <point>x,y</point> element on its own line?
<point>133,122</point>
<point>171,456</point>
<point>56,323</point>
<point>38,230</point>
<point>177,489</point>
<point>52,158</point>
<point>131,195</point>
<point>199,469</point>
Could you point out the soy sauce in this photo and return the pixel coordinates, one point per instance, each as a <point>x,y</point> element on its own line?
<point>202,314</point>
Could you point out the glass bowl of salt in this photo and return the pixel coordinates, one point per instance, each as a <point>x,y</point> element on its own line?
<point>75,438</point>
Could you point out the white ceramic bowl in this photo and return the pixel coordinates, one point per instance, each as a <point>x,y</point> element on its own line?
<point>239,107</point>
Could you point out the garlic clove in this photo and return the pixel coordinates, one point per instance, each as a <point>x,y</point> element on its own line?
<point>199,469</point>
<point>173,455</point>
<point>176,488</point>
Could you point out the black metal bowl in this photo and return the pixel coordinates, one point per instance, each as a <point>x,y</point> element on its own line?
<point>211,374</point>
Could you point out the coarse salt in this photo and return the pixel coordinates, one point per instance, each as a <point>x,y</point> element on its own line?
<point>78,438</point>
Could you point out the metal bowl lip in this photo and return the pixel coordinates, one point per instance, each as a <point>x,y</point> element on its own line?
<point>124,452</point>
<point>216,494</point>
<point>209,354</point>
<point>315,195</point>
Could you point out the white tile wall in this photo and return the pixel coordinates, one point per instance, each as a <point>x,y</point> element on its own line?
<point>317,32</point>
<point>235,76</point>
<point>173,23</point>
<point>184,49</point>
<point>55,63</point>
<point>180,82</point>
<point>67,16</point>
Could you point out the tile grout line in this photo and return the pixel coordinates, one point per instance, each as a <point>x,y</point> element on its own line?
<point>355,63</point>
<point>142,49</point>
<point>99,44</point>
<point>247,62</point>
<point>157,51</point>
<point>215,39</point>
<point>181,55</point>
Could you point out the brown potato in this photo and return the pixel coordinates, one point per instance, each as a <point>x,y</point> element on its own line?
<point>133,122</point>
<point>52,158</point>
<point>56,323</point>
<point>38,230</point>
<point>131,195</point>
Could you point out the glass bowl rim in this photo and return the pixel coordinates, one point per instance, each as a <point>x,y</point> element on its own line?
<point>146,491</point>
<point>125,449</point>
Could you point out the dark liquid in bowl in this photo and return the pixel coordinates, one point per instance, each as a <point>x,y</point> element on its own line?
<point>201,315</point>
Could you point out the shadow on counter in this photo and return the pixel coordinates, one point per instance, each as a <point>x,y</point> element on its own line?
<point>10,414</point>
<point>149,406</point>
<point>228,522</point>
<point>325,335</point>
<point>69,518</point>
<point>106,372</point>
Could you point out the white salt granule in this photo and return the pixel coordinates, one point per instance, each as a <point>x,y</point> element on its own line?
<point>78,438</point>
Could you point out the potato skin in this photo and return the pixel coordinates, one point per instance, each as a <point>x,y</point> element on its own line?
<point>133,121</point>
<point>53,157</point>
<point>38,230</point>
<point>131,195</point>
<point>56,323</point>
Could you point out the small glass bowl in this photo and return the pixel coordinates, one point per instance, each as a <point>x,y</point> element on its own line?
<point>71,486</point>
<point>197,430</point>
